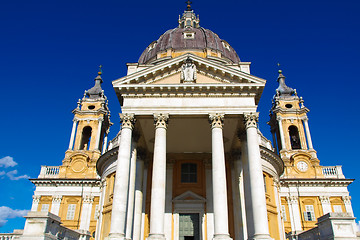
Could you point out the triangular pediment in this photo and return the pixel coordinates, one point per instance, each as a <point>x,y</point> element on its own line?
<point>189,196</point>
<point>207,71</point>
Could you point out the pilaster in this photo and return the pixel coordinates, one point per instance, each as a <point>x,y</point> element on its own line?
<point>55,205</point>
<point>294,211</point>
<point>86,212</point>
<point>325,204</point>
<point>347,202</point>
<point>35,202</point>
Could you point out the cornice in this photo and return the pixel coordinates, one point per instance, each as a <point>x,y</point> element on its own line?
<point>66,182</point>
<point>103,161</point>
<point>136,77</point>
<point>316,182</point>
<point>190,90</point>
<point>290,111</point>
<point>273,159</point>
<point>90,112</point>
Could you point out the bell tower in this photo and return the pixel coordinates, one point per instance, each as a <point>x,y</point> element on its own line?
<point>291,133</point>
<point>89,133</point>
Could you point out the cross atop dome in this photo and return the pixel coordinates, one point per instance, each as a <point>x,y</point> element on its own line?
<point>189,19</point>
<point>188,5</point>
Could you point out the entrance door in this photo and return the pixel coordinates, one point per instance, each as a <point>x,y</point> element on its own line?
<point>189,226</point>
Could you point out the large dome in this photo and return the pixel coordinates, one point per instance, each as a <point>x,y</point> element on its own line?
<point>189,37</point>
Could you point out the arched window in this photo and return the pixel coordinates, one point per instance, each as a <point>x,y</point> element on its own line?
<point>294,137</point>
<point>85,138</point>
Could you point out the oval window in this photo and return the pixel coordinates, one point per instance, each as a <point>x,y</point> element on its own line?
<point>288,105</point>
<point>91,107</point>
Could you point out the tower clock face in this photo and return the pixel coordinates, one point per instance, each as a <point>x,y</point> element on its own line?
<point>302,166</point>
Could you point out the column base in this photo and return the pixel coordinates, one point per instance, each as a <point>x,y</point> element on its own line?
<point>155,236</point>
<point>222,237</point>
<point>261,237</point>
<point>115,236</point>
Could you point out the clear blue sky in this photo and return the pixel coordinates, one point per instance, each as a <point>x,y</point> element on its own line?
<point>50,52</point>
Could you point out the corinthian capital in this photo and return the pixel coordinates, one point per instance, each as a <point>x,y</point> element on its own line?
<point>56,199</point>
<point>161,120</point>
<point>346,199</point>
<point>88,199</point>
<point>324,199</point>
<point>292,199</point>
<point>251,119</point>
<point>127,120</point>
<point>216,120</point>
<point>36,198</point>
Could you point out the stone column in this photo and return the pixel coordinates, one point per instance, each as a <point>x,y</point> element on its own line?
<point>278,206</point>
<point>281,131</point>
<point>105,142</point>
<point>138,195</point>
<point>101,205</point>
<point>254,176</point>
<point>130,211</point>
<point>347,202</point>
<point>209,200</point>
<point>55,205</point>
<point>98,135</point>
<point>168,199</point>
<point>238,196</point>
<point>35,203</point>
<point>86,212</point>
<point>274,139</point>
<point>325,204</point>
<point>144,193</point>
<point>221,226</point>
<point>71,143</point>
<point>157,209</point>
<point>118,215</point>
<point>294,211</point>
<point>307,130</point>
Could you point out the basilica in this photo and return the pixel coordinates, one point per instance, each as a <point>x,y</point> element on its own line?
<point>189,162</point>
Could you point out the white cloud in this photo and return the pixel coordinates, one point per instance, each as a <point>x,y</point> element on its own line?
<point>7,213</point>
<point>2,173</point>
<point>7,162</point>
<point>12,176</point>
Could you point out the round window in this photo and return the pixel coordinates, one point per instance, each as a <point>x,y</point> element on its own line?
<point>288,105</point>
<point>91,107</point>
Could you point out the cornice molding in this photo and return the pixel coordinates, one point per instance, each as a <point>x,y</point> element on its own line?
<point>273,159</point>
<point>315,182</point>
<point>178,61</point>
<point>190,90</point>
<point>66,182</point>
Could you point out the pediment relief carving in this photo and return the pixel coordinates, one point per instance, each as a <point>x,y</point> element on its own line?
<point>174,71</point>
<point>189,196</point>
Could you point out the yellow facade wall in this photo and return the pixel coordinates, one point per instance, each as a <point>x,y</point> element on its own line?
<point>272,210</point>
<point>317,210</point>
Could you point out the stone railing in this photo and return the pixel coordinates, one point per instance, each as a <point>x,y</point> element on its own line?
<point>11,236</point>
<point>45,225</point>
<point>333,172</point>
<point>49,172</point>
<point>114,142</point>
<point>8,236</point>
<point>263,141</point>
